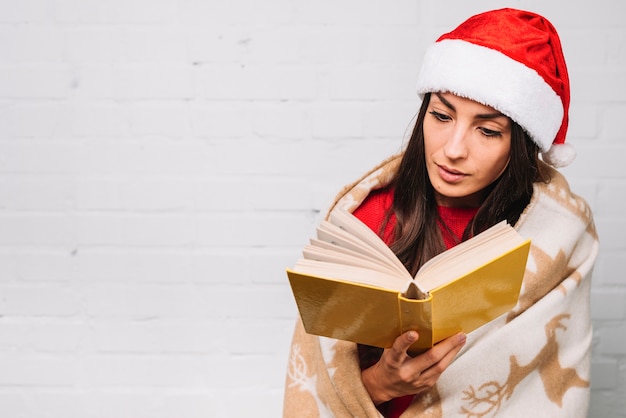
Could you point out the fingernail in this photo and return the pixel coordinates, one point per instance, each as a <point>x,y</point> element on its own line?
<point>461,338</point>
<point>412,335</point>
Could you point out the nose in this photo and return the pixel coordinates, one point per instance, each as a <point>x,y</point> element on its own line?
<point>456,145</point>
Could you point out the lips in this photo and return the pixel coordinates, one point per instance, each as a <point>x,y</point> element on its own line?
<point>450,175</point>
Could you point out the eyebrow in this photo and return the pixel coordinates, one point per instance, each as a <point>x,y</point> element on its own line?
<point>479,116</point>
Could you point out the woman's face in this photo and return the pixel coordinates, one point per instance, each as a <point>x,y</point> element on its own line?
<point>467,148</point>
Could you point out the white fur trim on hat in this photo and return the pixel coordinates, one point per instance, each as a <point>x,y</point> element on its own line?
<point>494,79</point>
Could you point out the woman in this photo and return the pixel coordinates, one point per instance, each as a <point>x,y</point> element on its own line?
<point>495,96</point>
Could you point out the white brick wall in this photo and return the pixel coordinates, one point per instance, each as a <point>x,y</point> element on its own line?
<point>162,162</point>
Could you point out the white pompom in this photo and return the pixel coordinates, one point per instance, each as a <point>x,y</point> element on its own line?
<point>559,155</point>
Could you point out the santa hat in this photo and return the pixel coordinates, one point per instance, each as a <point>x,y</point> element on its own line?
<point>512,61</point>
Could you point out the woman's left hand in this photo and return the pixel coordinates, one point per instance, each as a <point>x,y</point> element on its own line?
<point>397,373</point>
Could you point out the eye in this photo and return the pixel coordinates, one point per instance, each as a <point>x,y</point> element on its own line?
<point>440,116</point>
<point>490,132</point>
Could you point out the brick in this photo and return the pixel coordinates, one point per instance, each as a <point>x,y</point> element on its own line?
<point>52,120</point>
<point>98,193</point>
<point>156,45</point>
<point>154,337</point>
<point>27,11</point>
<point>31,44</point>
<point>39,301</point>
<point>36,156</point>
<point>93,80</point>
<point>163,157</point>
<point>365,82</point>
<point>95,44</point>
<point>256,83</point>
<point>248,303</point>
<point>43,266</point>
<point>36,82</point>
<point>144,371</point>
<point>608,205</point>
<point>392,121</point>
<point>279,45</point>
<point>145,81</point>
<point>612,339</point>
<point>589,152</point>
<point>143,301</point>
<point>115,11</point>
<point>140,194</point>
<point>222,267</point>
<point>156,194</point>
<point>36,229</point>
<point>604,374</point>
<point>584,47</point>
<point>269,402</point>
<point>155,403</point>
<point>335,45</point>
<point>291,122</point>
<point>253,230</point>
<point>268,266</point>
<point>338,121</point>
<point>144,12</point>
<point>53,402</point>
<point>372,12</point>
<point>74,11</point>
<point>588,84</point>
<point>216,44</point>
<point>30,370</point>
<point>277,195</point>
<point>8,266</point>
<point>113,265</point>
<point>609,122</point>
<point>53,193</point>
<point>219,121</point>
<point>238,337</point>
<point>609,268</point>
<point>608,304</point>
<point>611,230</point>
<point>164,119</point>
<point>198,12</point>
<point>97,120</point>
<point>134,230</point>
<point>235,375</point>
<point>584,123</point>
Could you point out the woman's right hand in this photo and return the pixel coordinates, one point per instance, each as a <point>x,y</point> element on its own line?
<point>397,373</point>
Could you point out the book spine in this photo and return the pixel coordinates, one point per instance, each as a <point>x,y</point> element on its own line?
<point>417,315</point>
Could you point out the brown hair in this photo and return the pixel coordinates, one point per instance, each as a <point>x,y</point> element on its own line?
<point>417,234</point>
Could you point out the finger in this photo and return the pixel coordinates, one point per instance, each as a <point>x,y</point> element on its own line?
<point>398,352</point>
<point>441,355</point>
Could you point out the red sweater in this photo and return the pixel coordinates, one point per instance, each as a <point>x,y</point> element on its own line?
<point>372,212</point>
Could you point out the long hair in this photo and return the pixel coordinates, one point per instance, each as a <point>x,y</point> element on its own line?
<point>417,233</point>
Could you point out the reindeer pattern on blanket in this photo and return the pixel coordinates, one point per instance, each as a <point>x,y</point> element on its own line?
<point>535,360</point>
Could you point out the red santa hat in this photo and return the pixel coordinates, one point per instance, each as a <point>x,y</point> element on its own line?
<point>512,61</point>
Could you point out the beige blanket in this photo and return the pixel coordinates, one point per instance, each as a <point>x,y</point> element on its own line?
<point>532,362</point>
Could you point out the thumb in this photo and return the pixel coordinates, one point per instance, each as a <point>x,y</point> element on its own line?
<point>402,344</point>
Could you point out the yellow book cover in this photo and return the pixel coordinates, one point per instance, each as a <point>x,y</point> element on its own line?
<point>350,286</point>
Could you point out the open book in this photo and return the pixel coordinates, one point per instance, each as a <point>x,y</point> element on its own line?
<point>349,285</point>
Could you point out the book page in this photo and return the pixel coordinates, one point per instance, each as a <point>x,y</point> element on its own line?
<point>339,237</point>
<point>348,222</point>
<point>348,258</point>
<point>468,256</point>
<point>353,274</point>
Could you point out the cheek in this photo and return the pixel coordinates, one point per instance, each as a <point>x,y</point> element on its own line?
<point>433,141</point>
<point>494,167</point>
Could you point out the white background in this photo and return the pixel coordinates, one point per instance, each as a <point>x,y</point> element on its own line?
<point>163,161</point>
